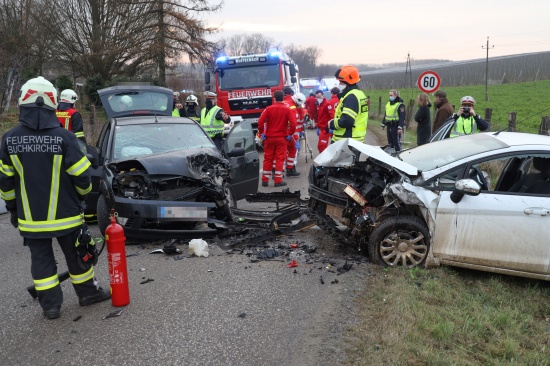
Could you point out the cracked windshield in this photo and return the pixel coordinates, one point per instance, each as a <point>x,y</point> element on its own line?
<point>139,140</point>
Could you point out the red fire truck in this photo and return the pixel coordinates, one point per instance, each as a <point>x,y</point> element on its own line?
<point>245,84</point>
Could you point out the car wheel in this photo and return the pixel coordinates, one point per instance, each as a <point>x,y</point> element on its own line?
<point>399,241</point>
<point>231,203</point>
<point>103,215</point>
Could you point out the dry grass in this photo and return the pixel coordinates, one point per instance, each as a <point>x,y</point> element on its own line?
<point>452,317</point>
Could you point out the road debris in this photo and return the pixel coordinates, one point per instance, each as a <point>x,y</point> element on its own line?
<point>113,314</point>
<point>77,318</point>
<point>198,247</point>
<point>146,281</point>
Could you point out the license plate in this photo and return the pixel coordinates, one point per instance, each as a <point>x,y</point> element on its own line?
<point>185,213</point>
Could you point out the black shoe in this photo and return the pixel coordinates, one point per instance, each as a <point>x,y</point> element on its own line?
<point>292,173</point>
<point>264,184</point>
<point>102,295</point>
<point>282,184</point>
<point>52,313</point>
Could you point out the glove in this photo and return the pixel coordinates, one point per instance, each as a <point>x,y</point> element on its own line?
<point>297,145</point>
<point>330,124</point>
<point>289,137</point>
<point>13,219</point>
<point>383,125</point>
<point>85,248</point>
<point>301,134</point>
<point>318,132</point>
<point>330,131</point>
<point>327,130</point>
<point>263,136</point>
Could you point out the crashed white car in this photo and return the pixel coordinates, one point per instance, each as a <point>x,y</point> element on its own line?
<point>480,201</point>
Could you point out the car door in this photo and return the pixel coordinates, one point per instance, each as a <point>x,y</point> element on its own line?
<point>240,149</point>
<point>505,230</point>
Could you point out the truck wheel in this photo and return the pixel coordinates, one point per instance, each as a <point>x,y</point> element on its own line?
<point>103,215</point>
<point>399,241</point>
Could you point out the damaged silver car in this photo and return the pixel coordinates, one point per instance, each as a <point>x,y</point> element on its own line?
<point>480,201</point>
<point>163,175</point>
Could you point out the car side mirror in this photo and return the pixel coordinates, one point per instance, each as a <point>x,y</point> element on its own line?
<point>239,151</point>
<point>465,187</point>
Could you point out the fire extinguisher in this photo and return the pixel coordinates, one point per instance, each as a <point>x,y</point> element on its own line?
<point>118,271</point>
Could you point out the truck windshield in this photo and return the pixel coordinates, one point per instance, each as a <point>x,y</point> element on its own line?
<point>249,77</point>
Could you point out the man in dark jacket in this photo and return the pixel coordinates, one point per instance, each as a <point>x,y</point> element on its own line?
<point>44,177</point>
<point>443,107</point>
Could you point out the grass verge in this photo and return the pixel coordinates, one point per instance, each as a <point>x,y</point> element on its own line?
<point>449,316</point>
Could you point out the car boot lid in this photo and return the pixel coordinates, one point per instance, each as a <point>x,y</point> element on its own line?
<point>339,154</point>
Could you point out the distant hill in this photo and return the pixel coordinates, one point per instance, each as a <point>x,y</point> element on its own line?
<point>503,69</point>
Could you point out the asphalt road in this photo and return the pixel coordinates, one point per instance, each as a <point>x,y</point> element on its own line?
<point>221,310</point>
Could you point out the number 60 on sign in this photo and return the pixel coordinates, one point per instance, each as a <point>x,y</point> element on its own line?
<point>428,81</point>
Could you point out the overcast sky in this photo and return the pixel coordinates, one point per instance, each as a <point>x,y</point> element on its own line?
<point>375,32</point>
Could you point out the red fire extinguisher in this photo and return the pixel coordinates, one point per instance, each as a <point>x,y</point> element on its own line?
<point>118,271</point>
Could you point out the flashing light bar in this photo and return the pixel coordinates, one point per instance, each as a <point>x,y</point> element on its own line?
<point>221,59</point>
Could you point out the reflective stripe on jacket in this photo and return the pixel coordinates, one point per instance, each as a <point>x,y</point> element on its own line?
<point>211,125</point>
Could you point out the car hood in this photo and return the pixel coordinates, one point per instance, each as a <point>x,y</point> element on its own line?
<point>339,154</point>
<point>193,163</point>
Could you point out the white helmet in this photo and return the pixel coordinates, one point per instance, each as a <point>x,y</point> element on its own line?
<point>192,99</point>
<point>126,100</point>
<point>68,95</point>
<point>468,99</point>
<point>210,94</point>
<point>38,92</point>
<point>299,98</point>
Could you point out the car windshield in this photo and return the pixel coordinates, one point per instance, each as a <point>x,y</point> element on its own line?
<point>436,154</point>
<point>146,139</point>
<point>249,77</point>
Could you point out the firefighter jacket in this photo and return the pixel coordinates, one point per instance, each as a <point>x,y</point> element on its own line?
<point>324,114</point>
<point>44,175</point>
<point>211,121</point>
<point>193,114</point>
<point>277,120</point>
<point>70,119</point>
<point>395,113</point>
<point>351,115</point>
<point>468,125</point>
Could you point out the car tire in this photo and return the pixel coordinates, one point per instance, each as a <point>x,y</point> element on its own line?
<point>399,241</point>
<point>231,203</point>
<point>103,215</point>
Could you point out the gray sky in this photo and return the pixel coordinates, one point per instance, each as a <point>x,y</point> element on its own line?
<point>374,32</point>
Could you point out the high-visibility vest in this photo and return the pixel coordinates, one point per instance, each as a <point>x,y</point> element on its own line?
<point>175,112</point>
<point>66,119</point>
<point>359,129</point>
<point>464,126</point>
<point>211,125</point>
<point>392,112</point>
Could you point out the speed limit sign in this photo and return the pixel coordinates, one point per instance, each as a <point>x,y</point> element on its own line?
<point>428,81</point>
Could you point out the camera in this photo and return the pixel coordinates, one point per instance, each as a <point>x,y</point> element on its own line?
<point>466,110</point>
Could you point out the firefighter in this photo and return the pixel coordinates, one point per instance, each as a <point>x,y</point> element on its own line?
<point>191,105</point>
<point>213,119</point>
<point>293,145</point>
<point>325,113</point>
<point>351,115</point>
<point>44,178</point>
<point>394,120</point>
<point>276,126</point>
<point>466,120</point>
<point>68,116</point>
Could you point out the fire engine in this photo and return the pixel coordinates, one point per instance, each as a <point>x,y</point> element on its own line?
<point>245,84</point>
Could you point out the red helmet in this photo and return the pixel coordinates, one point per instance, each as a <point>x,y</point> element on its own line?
<point>348,74</point>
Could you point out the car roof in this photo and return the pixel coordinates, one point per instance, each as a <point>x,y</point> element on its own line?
<point>520,138</point>
<point>142,120</point>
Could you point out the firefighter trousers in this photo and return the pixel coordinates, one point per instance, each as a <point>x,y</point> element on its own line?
<point>44,270</point>
<point>274,150</point>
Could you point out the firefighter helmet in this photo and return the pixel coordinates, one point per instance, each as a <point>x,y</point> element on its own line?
<point>348,74</point>
<point>192,100</point>
<point>38,92</point>
<point>299,98</point>
<point>468,100</point>
<point>68,95</point>
<point>209,94</point>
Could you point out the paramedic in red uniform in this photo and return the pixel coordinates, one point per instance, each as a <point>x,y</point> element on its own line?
<point>325,113</point>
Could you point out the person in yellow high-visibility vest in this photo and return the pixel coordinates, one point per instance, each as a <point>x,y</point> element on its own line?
<point>466,120</point>
<point>213,119</point>
<point>351,115</point>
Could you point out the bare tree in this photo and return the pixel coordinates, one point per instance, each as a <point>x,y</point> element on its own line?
<point>240,44</point>
<point>305,57</point>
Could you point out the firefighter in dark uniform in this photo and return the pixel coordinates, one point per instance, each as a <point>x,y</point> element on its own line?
<point>44,177</point>
<point>213,119</point>
<point>352,114</point>
<point>191,105</point>
<point>68,116</point>
<point>394,120</point>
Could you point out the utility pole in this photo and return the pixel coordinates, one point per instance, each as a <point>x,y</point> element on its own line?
<point>487,70</point>
<point>408,71</point>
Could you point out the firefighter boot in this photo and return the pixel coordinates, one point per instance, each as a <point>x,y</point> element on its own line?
<point>292,172</point>
<point>52,313</point>
<point>101,295</point>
